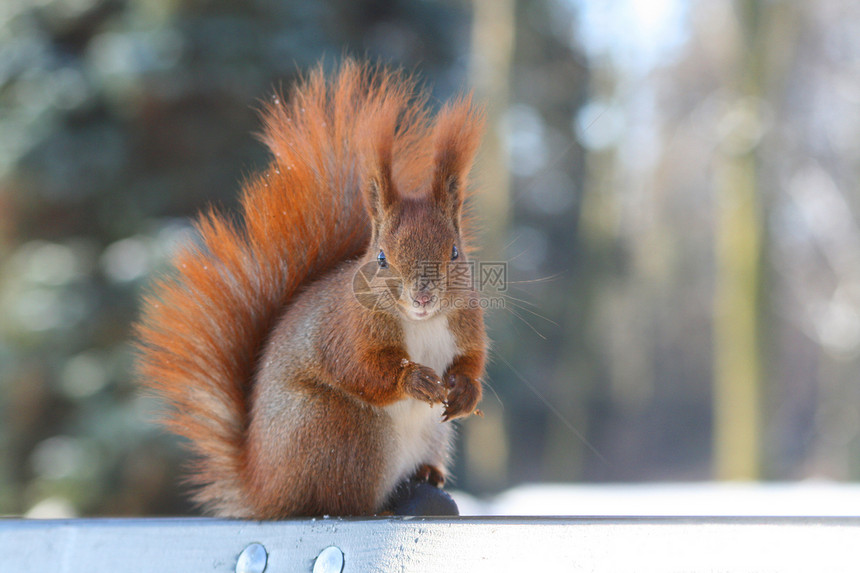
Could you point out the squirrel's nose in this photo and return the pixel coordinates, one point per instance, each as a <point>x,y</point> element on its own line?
<point>422,299</point>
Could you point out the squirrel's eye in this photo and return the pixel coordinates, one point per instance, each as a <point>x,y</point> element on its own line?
<point>454,253</point>
<point>380,258</point>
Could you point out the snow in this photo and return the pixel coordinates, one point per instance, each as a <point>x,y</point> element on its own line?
<point>807,498</point>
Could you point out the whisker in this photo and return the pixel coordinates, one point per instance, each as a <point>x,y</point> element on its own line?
<point>539,279</point>
<point>511,242</point>
<point>528,310</point>
<point>515,257</point>
<point>527,323</point>
<point>512,297</point>
<point>488,384</point>
<point>554,410</point>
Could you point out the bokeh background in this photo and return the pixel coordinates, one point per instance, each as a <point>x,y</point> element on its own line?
<point>673,183</point>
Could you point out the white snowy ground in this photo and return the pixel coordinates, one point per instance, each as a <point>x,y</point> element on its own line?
<point>807,498</point>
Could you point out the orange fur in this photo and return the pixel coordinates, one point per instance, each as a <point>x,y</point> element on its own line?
<point>206,325</point>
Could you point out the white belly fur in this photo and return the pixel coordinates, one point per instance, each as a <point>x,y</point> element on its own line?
<point>421,436</point>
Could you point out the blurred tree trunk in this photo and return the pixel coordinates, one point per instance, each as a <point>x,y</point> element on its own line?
<point>492,50</point>
<point>737,375</point>
<point>739,235</point>
<point>485,443</point>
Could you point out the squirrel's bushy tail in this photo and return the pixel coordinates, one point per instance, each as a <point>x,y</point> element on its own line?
<point>204,324</point>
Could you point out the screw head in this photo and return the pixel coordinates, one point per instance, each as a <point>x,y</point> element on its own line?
<point>330,560</point>
<point>252,559</point>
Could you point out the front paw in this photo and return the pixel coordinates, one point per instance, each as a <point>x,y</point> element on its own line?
<point>463,396</point>
<point>422,383</point>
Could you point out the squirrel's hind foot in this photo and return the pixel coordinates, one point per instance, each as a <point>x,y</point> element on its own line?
<point>421,497</point>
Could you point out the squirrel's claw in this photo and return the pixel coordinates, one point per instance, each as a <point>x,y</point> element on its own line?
<point>463,396</point>
<point>424,384</point>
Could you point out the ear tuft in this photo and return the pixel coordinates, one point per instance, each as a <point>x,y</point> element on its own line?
<point>457,134</point>
<point>380,192</point>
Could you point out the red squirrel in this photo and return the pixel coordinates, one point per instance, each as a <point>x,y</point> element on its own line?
<point>296,396</point>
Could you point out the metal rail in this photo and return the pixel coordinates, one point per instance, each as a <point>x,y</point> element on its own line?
<point>466,544</point>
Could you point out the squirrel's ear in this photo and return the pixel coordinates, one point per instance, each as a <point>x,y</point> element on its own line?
<point>380,192</point>
<point>457,133</point>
